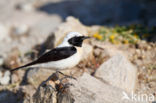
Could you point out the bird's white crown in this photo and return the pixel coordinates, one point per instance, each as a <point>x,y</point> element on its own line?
<point>69,36</point>
<point>72,34</point>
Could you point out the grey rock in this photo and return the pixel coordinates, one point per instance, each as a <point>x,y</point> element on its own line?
<point>108,49</point>
<point>1,60</point>
<point>26,6</point>
<point>7,96</point>
<point>4,77</point>
<point>88,89</point>
<point>4,32</point>
<point>119,72</point>
<point>87,51</point>
<point>48,94</point>
<point>50,91</point>
<point>35,76</point>
<point>20,30</point>
<point>45,95</point>
<point>12,60</point>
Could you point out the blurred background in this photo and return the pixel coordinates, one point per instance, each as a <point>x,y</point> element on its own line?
<point>24,14</point>
<point>29,27</point>
<point>90,12</point>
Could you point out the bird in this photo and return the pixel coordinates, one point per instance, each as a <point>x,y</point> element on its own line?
<point>66,55</point>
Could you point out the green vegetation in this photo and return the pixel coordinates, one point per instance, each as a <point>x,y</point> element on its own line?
<point>124,34</point>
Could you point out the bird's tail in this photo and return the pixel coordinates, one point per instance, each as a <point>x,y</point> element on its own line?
<point>29,64</point>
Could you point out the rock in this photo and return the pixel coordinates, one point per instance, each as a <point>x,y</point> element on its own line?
<point>45,95</point>
<point>119,72</point>
<point>50,91</point>
<point>70,25</point>
<point>152,77</point>
<point>14,78</point>
<point>20,30</point>
<point>87,51</point>
<point>92,91</point>
<point>35,76</point>
<point>28,90</point>
<point>26,7</point>
<point>4,77</point>
<point>94,28</point>
<point>12,60</point>
<point>9,97</point>
<point>30,5</point>
<point>88,89</point>
<point>108,49</point>
<point>18,76</point>
<point>1,60</point>
<point>4,32</point>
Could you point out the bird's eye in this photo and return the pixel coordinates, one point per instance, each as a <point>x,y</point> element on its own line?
<point>76,41</point>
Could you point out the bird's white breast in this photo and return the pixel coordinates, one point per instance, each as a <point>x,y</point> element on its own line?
<point>64,63</point>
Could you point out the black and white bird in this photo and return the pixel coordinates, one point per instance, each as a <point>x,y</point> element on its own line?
<point>66,55</point>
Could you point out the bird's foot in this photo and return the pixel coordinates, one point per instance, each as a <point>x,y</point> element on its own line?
<point>63,87</point>
<point>65,76</point>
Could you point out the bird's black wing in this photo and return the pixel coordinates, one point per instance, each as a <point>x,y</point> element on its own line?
<point>57,54</point>
<point>53,55</point>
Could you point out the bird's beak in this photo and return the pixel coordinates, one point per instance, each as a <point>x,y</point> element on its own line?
<point>86,37</point>
<point>77,41</point>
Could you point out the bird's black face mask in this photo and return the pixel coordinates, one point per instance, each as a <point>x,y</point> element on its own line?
<point>77,41</point>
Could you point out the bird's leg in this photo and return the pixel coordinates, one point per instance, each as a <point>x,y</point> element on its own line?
<point>54,77</point>
<point>65,76</point>
<point>67,85</point>
<point>61,87</point>
<point>58,83</point>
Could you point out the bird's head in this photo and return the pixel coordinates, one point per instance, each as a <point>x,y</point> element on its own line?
<point>75,39</point>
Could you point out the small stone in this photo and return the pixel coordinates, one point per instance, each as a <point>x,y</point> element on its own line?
<point>97,52</point>
<point>1,60</point>
<point>20,30</point>
<point>149,47</point>
<point>28,90</point>
<point>4,32</point>
<point>152,78</point>
<point>87,52</point>
<point>5,77</point>
<point>12,60</point>
<point>119,72</point>
<point>9,97</point>
<point>26,7</point>
<point>14,78</point>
